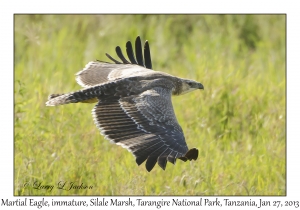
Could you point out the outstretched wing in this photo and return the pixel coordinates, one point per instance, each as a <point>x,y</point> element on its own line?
<point>146,125</point>
<point>97,72</point>
<point>139,60</point>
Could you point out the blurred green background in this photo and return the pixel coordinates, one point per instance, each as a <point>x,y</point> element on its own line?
<point>238,122</point>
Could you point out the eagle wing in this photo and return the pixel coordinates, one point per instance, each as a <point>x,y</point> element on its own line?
<point>146,125</point>
<point>146,62</point>
<point>98,72</point>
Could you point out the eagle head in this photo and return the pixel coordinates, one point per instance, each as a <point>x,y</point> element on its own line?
<point>186,85</point>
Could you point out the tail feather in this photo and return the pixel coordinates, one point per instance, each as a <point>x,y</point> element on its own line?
<point>88,95</point>
<point>53,96</point>
<point>74,97</point>
<point>60,99</point>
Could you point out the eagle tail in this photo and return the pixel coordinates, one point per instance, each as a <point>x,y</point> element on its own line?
<point>84,96</point>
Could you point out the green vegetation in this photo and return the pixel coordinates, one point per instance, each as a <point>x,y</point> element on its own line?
<point>237,122</point>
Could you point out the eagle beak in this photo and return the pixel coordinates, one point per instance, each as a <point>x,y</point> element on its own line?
<point>200,86</point>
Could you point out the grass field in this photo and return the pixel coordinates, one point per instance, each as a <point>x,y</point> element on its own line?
<point>237,123</point>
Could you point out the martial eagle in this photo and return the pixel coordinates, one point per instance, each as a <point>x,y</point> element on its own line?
<point>134,107</point>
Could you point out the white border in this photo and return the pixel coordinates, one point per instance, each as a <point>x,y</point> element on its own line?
<point>8,8</point>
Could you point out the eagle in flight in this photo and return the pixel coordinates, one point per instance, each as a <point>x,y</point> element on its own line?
<point>134,107</point>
